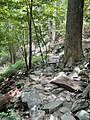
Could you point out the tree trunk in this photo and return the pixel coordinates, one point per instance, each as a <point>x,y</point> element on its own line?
<point>12,54</point>
<point>30,36</point>
<point>73,41</point>
<point>54,24</point>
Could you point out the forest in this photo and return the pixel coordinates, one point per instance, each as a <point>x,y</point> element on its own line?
<point>44,59</point>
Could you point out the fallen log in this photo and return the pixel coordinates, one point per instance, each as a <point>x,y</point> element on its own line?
<point>5,99</point>
<point>5,86</point>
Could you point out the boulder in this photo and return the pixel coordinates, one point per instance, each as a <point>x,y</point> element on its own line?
<point>52,105</point>
<point>67,116</point>
<point>83,115</point>
<point>31,98</point>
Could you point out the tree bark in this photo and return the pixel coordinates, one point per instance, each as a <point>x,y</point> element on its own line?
<point>30,36</point>
<point>5,99</point>
<point>12,54</point>
<point>73,41</point>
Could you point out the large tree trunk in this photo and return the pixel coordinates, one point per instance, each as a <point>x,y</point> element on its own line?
<point>73,41</point>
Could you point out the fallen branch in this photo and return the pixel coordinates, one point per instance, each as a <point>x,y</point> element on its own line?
<point>5,99</point>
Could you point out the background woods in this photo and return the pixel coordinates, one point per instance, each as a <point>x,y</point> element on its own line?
<point>44,59</point>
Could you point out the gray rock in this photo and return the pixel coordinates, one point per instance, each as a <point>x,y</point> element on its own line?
<point>31,98</point>
<point>48,71</point>
<point>52,105</point>
<point>38,87</point>
<point>79,104</point>
<point>83,115</point>
<point>64,110</point>
<point>68,98</point>
<point>34,77</point>
<point>44,81</point>
<point>53,60</point>
<point>38,115</point>
<point>38,73</point>
<point>74,73</point>
<point>86,92</point>
<point>64,81</point>
<point>67,116</point>
<point>54,116</point>
<point>88,110</point>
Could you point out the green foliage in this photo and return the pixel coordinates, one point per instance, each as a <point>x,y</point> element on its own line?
<point>86,19</point>
<point>37,59</point>
<point>10,114</point>
<point>14,22</point>
<point>11,69</point>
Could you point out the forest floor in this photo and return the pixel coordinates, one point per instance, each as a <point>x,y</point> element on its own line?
<point>49,93</point>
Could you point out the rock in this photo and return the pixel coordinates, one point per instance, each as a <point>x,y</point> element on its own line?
<point>83,115</point>
<point>47,89</point>
<point>86,92</point>
<point>54,117</point>
<point>38,87</point>
<point>79,104</point>
<point>64,81</point>
<point>67,116</point>
<point>31,98</point>
<point>44,81</point>
<point>53,60</point>
<point>38,115</point>
<point>64,110</point>
<point>48,71</point>
<point>68,98</point>
<point>57,90</point>
<point>62,96</point>
<point>50,86</point>
<point>52,105</point>
<point>34,77</point>
<point>38,73</point>
<point>75,73</point>
<point>88,110</point>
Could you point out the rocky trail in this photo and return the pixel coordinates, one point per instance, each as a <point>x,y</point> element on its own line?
<point>49,93</point>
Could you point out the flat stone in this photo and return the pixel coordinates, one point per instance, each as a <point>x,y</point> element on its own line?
<point>66,82</point>
<point>63,84</point>
<point>79,104</point>
<point>64,110</point>
<point>34,77</point>
<point>31,98</point>
<point>52,105</point>
<point>53,60</point>
<point>38,115</point>
<point>83,115</point>
<point>67,116</point>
